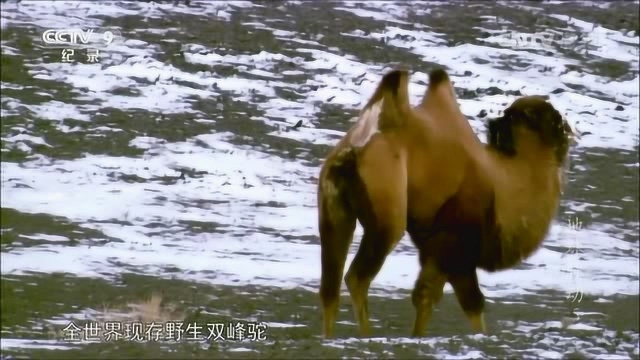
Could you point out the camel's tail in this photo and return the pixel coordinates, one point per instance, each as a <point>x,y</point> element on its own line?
<point>339,175</point>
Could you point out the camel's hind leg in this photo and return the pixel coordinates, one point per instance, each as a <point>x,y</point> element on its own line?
<point>382,213</point>
<point>375,246</point>
<point>337,224</point>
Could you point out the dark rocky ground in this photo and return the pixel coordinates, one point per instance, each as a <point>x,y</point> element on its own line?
<point>27,300</point>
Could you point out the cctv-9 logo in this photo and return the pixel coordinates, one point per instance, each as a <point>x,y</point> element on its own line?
<point>99,38</point>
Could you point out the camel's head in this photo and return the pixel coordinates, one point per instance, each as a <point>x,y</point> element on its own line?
<point>531,119</point>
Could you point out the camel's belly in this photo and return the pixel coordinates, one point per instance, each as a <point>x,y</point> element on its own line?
<point>430,184</point>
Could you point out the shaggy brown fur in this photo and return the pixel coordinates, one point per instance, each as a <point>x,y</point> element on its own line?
<point>465,204</point>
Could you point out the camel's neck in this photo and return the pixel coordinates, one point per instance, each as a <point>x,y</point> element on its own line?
<point>527,194</point>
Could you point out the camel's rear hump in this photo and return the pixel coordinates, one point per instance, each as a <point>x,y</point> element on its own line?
<point>386,109</point>
<point>364,178</point>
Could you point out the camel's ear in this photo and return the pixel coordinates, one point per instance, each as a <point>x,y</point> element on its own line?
<point>501,135</point>
<point>440,90</point>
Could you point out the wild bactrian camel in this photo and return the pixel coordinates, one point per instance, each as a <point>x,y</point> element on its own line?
<point>465,204</point>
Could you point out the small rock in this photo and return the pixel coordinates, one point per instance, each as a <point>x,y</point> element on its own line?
<point>557,91</point>
<point>467,73</point>
<point>494,91</point>
<point>482,113</point>
<point>297,125</point>
<point>619,108</point>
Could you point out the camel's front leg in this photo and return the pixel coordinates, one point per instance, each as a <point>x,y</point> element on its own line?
<point>426,294</point>
<point>470,298</point>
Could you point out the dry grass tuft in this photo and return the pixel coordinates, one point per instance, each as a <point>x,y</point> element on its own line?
<point>151,310</point>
